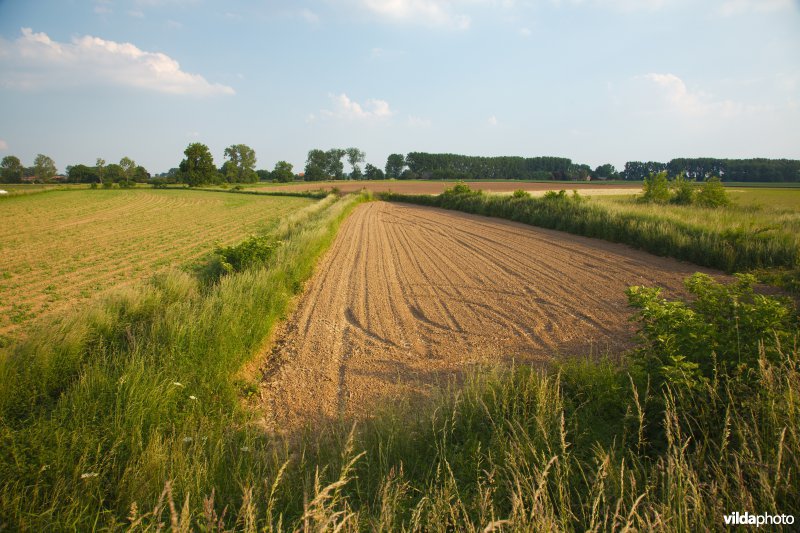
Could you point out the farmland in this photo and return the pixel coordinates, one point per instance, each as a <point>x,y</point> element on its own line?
<point>60,248</point>
<point>437,187</point>
<point>410,296</point>
<point>491,369</point>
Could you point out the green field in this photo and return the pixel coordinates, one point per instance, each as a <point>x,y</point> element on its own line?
<point>63,247</point>
<point>753,211</point>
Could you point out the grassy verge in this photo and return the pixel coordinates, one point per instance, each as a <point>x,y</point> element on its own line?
<point>99,410</point>
<point>710,237</point>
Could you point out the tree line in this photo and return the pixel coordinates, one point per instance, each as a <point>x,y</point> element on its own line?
<point>198,168</point>
<point>701,168</point>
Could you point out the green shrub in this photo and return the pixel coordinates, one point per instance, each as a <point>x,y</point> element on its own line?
<point>254,251</point>
<point>656,188</point>
<point>519,193</point>
<point>684,191</point>
<point>722,333</point>
<point>712,194</point>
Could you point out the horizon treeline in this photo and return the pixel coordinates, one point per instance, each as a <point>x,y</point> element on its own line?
<point>198,168</point>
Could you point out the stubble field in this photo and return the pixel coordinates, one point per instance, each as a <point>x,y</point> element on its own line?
<point>62,247</point>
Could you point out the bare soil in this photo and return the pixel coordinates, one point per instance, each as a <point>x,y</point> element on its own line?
<point>410,297</point>
<point>437,187</point>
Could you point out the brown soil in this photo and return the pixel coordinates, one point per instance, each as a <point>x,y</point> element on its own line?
<point>436,187</point>
<point>409,297</point>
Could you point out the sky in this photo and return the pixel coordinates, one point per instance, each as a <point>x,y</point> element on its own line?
<point>598,81</point>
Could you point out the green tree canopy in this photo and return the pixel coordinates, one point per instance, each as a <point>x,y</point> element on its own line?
<point>335,167</point>
<point>198,166</point>
<point>283,172</point>
<point>373,173</point>
<point>354,157</point>
<point>128,168</point>
<point>316,165</point>
<point>395,164</point>
<point>44,167</point>
<point>11,169</point>
<point>82,174</point>
<point>241,164</point>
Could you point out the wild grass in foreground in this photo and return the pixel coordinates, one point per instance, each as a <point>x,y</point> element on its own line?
<point>98,411</point>
<point>657,441</point>
<point>129,418</point>
<point>733,238</point>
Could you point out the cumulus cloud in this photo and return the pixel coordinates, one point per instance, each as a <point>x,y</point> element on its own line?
<point>492,121</point>
<point>694,103</point>
<point>35,61</point>
<point>347,109</point>
<point>426,12</point>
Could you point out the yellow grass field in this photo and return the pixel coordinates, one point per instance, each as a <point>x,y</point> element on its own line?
<point>62,247</point>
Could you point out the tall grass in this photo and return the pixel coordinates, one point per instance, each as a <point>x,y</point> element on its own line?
<point>99,410</point>
<point>710,237</point>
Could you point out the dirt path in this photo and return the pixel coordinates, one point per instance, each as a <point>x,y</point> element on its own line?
<point>409,296</point>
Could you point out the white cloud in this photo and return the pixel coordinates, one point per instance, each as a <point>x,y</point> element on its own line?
<point>525,32</point>
<point>492,121</point>
<point>35,61</point>
<point>347,109</point>
<point>695,103</point>
<point>3,145</point>
<point>740,7</point>
<point>425,12</point>
<point>135,13</point>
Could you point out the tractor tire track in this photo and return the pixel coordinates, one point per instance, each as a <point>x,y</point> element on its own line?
<point>409,297</point>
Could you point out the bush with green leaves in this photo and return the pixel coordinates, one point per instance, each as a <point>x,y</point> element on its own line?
<point>722,333</point>
<point>684,190</point>
<point>656,188</point>
<point>254,251</point>
<point>712,194</point>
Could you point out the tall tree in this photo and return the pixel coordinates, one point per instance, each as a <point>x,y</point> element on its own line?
<point>335,166</point>
<point>316,165</point>
<point>394,166</point>
<point>372,172</point>
<point>44,167</point>
<point>81,174</point>
<point>354,157</point>
<point>128,168</point>
<point>11,169</point>
<point>198,166</point>
<point>101,168</point>
<point>241,164</point>
<point>283,172</point>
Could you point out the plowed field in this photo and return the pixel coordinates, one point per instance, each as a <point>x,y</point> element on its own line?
<point>408,297</point>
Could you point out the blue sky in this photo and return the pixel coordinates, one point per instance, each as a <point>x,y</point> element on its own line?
<point>594,80</point>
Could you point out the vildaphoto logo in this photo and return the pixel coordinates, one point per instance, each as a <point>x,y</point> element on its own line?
<point>758,520</point>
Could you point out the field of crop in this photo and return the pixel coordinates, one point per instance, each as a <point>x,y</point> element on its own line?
<point>62,247</point>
